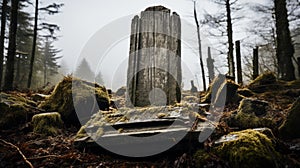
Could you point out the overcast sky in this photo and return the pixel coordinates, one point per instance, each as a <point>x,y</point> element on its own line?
<point>83,24</point>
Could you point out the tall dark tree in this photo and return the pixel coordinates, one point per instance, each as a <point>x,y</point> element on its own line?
<point>285,48</point>
<point>9,73</point>
<point>230,39</point>
<point>34,42</point>
<point>200,48</point>
<point>2,37</point>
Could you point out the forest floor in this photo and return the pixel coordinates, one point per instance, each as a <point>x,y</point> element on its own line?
<point>20,147</point>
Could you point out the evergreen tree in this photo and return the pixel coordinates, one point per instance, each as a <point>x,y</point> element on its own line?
<point>50,59</point>
<point>84,71</point>
<point>99,78</point>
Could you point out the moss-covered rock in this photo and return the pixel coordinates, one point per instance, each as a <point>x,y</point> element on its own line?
<point>265,82</point>
<point>47,123</point>
<point>245,92</point>
<point>15,110</point>
<point>201,158</point>
<point>290,128</point>
<point>251,113</point>
<point>71,94</point>
<point>121,91</point>
<point>248,149</point>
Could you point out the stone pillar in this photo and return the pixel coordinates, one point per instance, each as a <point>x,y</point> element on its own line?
<point>154,66</point>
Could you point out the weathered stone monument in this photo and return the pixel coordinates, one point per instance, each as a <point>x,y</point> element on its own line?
<point>154,69</point>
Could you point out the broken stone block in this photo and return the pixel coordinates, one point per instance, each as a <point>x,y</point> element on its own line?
<point>154,67</point>
<point>290,128</point>
<point>71,92</point>
<point>47,123</point>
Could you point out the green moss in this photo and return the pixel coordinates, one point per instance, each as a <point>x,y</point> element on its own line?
<point>265,82</point>
<point>201,157</point>
<point>47,123</point>
<point>250,149</point>
<point>245,92</point>
<point>71,93</point>
<point>244,121</point>
<point>290,128</point>
<point>15,110</point>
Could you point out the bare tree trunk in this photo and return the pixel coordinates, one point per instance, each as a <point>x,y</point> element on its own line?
<point>230,40</point>
<point>238,62</point>
<point>210,65</point>
<point>2,37</point>
<point>34,43</point>
<point>9,72</point>
<point>255,63</point>
<point>200,49</point>
<point>285,48</point>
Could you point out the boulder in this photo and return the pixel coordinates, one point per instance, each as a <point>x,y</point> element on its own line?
<point>252,113</point>
<point>245,92</point>
<point>247,149</point>
<point>264,82</point>
<point>222,91</point>
<point>47,123</point>
<point>16,110</point>
<point>74,97</point>
<point>290,128</point>
<point>121,91</point>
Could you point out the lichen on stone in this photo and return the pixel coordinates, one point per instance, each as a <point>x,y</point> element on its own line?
<point>47,123</point>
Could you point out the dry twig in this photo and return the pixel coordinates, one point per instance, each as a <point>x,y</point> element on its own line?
<point>20,152</point>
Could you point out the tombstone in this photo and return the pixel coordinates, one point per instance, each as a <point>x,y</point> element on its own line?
<point>154,66</point>
<point>193,87</point>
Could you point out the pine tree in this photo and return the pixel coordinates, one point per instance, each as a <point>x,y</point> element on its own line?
<point>84,71</point>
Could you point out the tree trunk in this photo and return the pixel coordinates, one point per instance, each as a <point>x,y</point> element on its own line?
<point>46,54</point>
<point>255,63</point>
<point>284,49</point>
<point>210,66</point>
<point>238,62</point>
<point>230,40</point>
<point>11,54</point>
<point>2,37</point>
<point>200,49</point>
<point>34,43</point>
